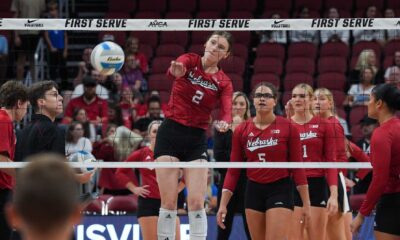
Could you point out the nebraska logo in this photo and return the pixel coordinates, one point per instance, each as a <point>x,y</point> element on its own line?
<point>259,143</point>
<point>156,23</point>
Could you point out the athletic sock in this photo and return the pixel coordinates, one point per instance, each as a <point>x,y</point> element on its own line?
<point>166,224</point>
<point>198,224</point>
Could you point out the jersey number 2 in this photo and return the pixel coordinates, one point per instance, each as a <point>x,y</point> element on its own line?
<point>197,97</point>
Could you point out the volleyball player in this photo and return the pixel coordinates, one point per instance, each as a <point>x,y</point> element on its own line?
<point>269,198</point>
<point>222,151</point>
<point>13,105</point>
<point>318,145</point>
<point>148,193</point>
<point>384,189</point>
<point>198,85</point>
<point>45,202</point>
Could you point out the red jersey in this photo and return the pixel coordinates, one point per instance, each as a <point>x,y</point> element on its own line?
<point>279,142</point>
<point>7,146</point>
<point>318,145</point>
<point>385,160</point>
<point>143,63</point>
<point>148,176</point>
<point>340,142</point>
<point>196,94</point>
<point>98,108</point>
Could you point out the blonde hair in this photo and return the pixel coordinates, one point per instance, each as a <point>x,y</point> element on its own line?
<point>242,94</point>
<point>362,61</point>
<point>309,92</point>
<point>328,94</point>
<point>124,142</point>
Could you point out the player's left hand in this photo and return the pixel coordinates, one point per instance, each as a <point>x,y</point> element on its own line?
<point>356,224</point>
<point>221,126</point>
<point>332,205</point>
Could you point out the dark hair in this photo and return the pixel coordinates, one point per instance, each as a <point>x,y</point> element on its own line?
<point>85,125</point>
<point>227,35</point>
<point>71,127</point>
<point>153,98</point>
<point>118,120</point>
<point>38,90</point>
<point>46,192</point>
<point>362,72</point>
<point>388,94</point>
<point>268,85</point>
<point>11,92</point>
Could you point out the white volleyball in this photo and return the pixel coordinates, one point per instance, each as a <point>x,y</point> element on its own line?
<point>107,58</point>
<point>83,157</point>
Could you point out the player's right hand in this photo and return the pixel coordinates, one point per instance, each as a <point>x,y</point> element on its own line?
<point>177,69</point>
<point>141,191</point>
<point>222,211</point>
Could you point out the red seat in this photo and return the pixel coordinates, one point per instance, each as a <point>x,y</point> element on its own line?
<point>6,14</point>
<point>159,82</point>
<point>338,98</point>
<point>182,5</point>
<point>237,5</point>
<point>237,81</point>
<point>286,96</point>
<point>104,197</point>
<point>340,112</point>
<point>274,50</point>
<point>113,15</point>
<point>364,4</point>
<point>302,49</point>
<point>269,12</point>
<point>268,65</point>
<point>264,77</point>
<point>200,37</point>
<point>291,80</point>
<point>339,4</point>
<point>332,64</point>
<point>300,65</point>
<point>164,96</point>
<point>310,4</point>
<point>119,37</point>
<point>169,50</point>
<point>233,64</point>
<point>388,62</point>
<point>209,15</point>
<point>152,5</point>
<point>243,37</point>
<point>95,206</point>
<point>240,14</point>
<point>360,13</point>
<point>393,4</point>
<point>146,37</point>
<point>240,50</point>
<point>356,200</point>
<point>176,37</point>
<point>124,204</point>
<point>211,5</point>
<point>356,133</point>
<point>161,64</point>
<point>332,81</point>
<point>197,48</point>
<point>5,5</point>
<point>148,15</point>
<point>147,50</point>
<point>391,47</point>
<point>356,114</point>
<point>334,49</point>
<point>362,45</point>
<point>178,15</point>
<point>278,4</point>
<point>127,6</point>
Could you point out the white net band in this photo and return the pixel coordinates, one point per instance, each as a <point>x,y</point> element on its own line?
<point>199,24</point>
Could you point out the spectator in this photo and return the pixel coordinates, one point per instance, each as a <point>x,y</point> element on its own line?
<point>358,95</point>
<point>273,36</point>
<point>132,47</point>
<point>369,35</point>
<point>101,91</point>
<point>392,34</point>
<point>84,67</point>
<point>394,78</point>
<point>334,35</point>
<point>368,126</point>
<point>129,104</point>
<point>95,107</point>
<point>304,36</point>
<point>57,45</point>
<point>75,140</point>
<point>396,66</point>
<point>26,41</point>
<point>89,130</point>
<point>115,114</point>
<point>153,113</point>
<point>132,75</point>
<point>366,59</point>
<point>3,59</point>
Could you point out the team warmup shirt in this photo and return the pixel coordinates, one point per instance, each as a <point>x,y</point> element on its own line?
<point>279,142</point>
<point>196,94</point>
<point>385,160</point>
<point>7,146</point>
<point>359,155</point>
<point>148,176</point>
<point>318,145</point>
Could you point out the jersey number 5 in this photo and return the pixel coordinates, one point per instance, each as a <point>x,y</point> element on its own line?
<point>197,97</point>
<point>261,157</point>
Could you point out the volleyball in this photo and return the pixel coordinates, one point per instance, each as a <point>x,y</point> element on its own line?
<point>83,157</point>
<point>107,57</point>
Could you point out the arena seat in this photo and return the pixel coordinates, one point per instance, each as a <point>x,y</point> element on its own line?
<point>332,81</point>
<point>310,4</point>
<point>334,49</point>
<point>147,50</point>
<point>364,4</point>
<point>176,37</point>
<point>161,64</point>
<point>388,62</point>
<point>182,5</point>
<point>268,65</point>
<point>200,37</point>
<point>243,37</point>
<point>338,98</point>
<point>332,65</point>
<point>240,50</point>
<point>356,114</point>
<point>148,15</point>
<point>95,207</point>
<point>356,200</point>
<point>285,5</point>
<point>339,4</point>
<point>265,77</point>
<point>152,5</point>
<point>122,204</point>
<point>178,15</point>
<point>5,5</point>
<point>356,134</point>
<point>269,12</point>
<point>300,65</point>
<point>196,48</point>
<point>274,50</point>
<point>240,14</point>
<point>169,50</point>
<point>233,64</point>
<point>237,81</point>
<point>115,14</point>
<point>209,15</point>
<point>302,49</point>
<point>237,5</point>
<point>159,82</point>
<point>292,79</point>
<point>164,96</point>
<point>211,5</point>
<point>146,37</point>
<point>286,96</point>
<point>362,45</point>
<point>391,47</point>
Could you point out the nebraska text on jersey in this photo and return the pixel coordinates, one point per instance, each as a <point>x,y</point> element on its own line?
<point>199,81</point>
<point>258,143</point>
<point>307,135</point>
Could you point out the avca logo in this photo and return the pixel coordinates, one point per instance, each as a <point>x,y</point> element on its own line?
<point>156,23</point>
<point>280,24</point>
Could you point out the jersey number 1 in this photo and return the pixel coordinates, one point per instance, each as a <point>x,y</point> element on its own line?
<point>304,151</point>
<point>197,97</point>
